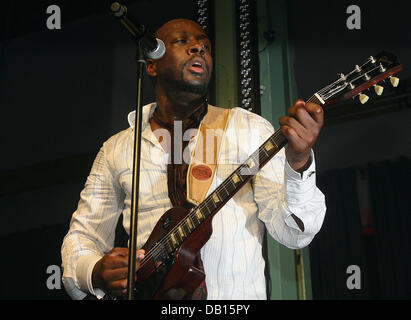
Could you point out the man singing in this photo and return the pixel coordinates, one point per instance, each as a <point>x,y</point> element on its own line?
<point>281,198</point>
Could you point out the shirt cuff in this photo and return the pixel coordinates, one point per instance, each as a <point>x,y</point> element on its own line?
<point>84,273</point>
<point>299,187</point>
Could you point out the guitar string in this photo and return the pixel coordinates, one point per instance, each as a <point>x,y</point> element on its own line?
<point>320,92</point>
<point>354,80</point>
<point>358,78</point>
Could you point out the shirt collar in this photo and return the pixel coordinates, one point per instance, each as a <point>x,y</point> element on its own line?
<point>146,115</point>
<point>148,110</point>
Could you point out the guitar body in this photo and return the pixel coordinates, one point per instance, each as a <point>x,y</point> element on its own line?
<point>172,277</point>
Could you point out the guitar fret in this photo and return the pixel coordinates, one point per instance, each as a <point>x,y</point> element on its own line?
<point>169,246</point>
<point>189,224</point>
<point>243,169</point>
<point>223,186</point>
<point>173,239</point>
<point>181,233</point>
<point>279,140</point>
<point>236,177</point>
<point>229,186</point>
<point>272,139</point>
<point>233,181</point>
<point>199,215</point>
<point>268,146</point>
<point>315,99</point>
<point>251,163</point>
<point>195,220</point>
<point>178,237</point>
<point>207,201</point>
<point>267,149</point>
<point>186,229</point>
<point>216,198</point>
<point>264,154</point>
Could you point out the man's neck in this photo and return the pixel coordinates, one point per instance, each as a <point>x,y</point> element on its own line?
<point>164,117</point>
<point>177,109</point>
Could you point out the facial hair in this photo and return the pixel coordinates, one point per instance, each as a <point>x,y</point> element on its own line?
<point>185,86</point>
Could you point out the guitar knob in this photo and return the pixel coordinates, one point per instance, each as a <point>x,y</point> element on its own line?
<point>378,89</point>
<point>394,81</point>
<point>363,98</point>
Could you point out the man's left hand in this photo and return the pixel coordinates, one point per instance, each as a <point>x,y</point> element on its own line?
<point>301,127</point>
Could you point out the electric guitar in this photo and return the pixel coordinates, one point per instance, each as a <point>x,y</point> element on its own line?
<point>168,271</point>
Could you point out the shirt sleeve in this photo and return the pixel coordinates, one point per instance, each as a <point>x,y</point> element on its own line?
<point>92,228</point>
<point>279,192</point>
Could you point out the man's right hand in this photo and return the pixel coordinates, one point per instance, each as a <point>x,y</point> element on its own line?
<point>110,272</point>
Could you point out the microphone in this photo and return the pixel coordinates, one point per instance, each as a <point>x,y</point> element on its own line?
<point>152,47</point>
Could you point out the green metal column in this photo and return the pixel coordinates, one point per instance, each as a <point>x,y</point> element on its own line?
<point>289,269</point>
<point>225,68</point>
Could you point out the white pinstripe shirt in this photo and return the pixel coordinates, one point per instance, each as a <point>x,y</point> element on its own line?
<point>233,261</point>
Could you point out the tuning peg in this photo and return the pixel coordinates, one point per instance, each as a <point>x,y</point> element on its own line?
<point>363,98</point>
<point>378,89</point>
<point>394,81</point>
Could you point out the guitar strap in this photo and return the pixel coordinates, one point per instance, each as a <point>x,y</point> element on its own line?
<point>204,157</point>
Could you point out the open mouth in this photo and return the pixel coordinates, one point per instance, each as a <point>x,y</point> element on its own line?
<point>197,66</point>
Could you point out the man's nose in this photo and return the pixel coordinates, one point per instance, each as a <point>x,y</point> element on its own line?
<point>197,48</point>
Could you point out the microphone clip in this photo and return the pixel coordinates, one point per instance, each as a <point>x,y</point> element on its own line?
<point>151,46</point>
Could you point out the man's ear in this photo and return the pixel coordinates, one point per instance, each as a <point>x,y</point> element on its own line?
<point>151,67</point>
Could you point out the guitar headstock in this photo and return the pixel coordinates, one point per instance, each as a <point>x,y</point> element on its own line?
<point>368,75</point>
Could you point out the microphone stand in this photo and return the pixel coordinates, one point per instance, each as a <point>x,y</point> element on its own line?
<point>136,178</point>
<point>156,50</point>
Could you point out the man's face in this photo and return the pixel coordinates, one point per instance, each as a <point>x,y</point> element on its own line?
<point>187,64</point>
